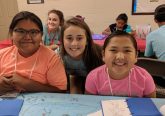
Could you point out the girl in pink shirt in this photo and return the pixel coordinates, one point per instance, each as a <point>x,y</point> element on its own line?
<point>119,76</point>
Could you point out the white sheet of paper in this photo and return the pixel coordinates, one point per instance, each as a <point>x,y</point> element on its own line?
<point>98,113</point>
<point>115,108</point>
<point>10,94</point>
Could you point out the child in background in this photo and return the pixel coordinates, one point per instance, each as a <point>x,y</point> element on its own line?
<point>80,55</point>
<point>121,24</point>
<point>119,76</point>
<point>52,31</point>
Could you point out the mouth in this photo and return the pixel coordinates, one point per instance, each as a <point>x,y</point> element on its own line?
<point>26,42</point>
<point>120,63</point>
<point>74,49</point>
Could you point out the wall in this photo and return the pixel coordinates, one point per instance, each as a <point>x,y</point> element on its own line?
<point>98,13</point>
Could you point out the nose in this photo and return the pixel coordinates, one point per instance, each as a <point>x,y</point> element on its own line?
<point>74,42</point>
<point>27,35</point>
<point>120,55</point>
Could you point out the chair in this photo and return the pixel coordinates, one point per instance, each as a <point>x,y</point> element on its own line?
<point>156,68</point>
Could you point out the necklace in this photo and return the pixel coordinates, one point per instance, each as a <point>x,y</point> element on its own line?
<point>110,86</point>
<point>34,65</point>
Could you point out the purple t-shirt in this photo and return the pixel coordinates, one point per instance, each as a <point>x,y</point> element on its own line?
<point>138,84</point>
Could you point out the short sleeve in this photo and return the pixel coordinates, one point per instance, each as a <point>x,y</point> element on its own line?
<point>149,84</point>
<point>56,74</point>
<point>90,85</point>
<point>128,29</point>
<point>149,49</point>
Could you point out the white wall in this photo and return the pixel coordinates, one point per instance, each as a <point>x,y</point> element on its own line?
<point>98,13</point>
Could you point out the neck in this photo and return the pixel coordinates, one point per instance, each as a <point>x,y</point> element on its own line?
<point>117,76</point>
<point>52,30</point>
<point>26,54</point>
<point>161,24</point>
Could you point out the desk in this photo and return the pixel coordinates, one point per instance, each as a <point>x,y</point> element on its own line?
<point>56,104</point>
<point>141,43</point>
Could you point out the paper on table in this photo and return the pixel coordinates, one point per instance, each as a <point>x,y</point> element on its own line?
<point>10,94</point>
<point>115,108</point>
<point>98,113</point>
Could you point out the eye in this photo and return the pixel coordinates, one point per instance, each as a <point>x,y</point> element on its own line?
<point>79,38</point>
<point>34,32</point>
<point>127,51</point>
<point>20,31</point>
<point>54,19</point>
<point>69,38</point>
<point>113,50</point>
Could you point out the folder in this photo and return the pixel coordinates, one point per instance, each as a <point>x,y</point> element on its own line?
<point>130,106</point>
<point>10,107</point>
<point>142,107</point>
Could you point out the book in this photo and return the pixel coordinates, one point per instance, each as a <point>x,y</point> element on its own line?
<point>10,107</point>
<point>142,106</point>
<point>98,36</point>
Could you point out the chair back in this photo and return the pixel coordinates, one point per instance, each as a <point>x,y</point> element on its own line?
<point>154,66</point>
<point>157,69</point>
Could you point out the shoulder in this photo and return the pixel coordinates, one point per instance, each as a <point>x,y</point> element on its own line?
<point>112,25</point>
<point>47,53</point>
<point>97,72</point>
<point>128,26</point>
<point>140,73</point>
<point>7,50</point>
<point>153,34</point>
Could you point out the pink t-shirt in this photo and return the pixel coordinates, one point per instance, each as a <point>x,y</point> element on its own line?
<point>139,85</point>
<point>44,66</point>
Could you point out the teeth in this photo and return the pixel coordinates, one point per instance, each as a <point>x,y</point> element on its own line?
<point>119,63</point>
<point>74,49</point>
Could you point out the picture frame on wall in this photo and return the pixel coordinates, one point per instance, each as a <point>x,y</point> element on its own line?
<point>35,1</point>
<point>145,7</point>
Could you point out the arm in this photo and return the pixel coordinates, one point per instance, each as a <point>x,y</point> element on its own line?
<point>151,95</point>
<point>150,88</point>
<point>29,85</point>
<point>107,31</point>
<point>90,84</point>
<point>149,50</point>
<point>5,86</point>
<point>88,93</point>
<point>76,84</point>
<point>53,47</point>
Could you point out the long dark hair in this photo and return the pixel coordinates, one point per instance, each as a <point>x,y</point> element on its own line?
<point>92,54</point>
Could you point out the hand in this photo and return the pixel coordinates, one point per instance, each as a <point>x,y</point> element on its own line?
<point>53,47</point>
<point>5,85</point>
<point>17,80</point>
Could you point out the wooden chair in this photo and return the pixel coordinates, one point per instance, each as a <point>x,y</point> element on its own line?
<point>156,68</point>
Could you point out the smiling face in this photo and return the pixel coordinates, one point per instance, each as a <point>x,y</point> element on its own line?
<point>27,43</point>
<point>75,41</point>
<point>119,56</point>
<point>53,21</point>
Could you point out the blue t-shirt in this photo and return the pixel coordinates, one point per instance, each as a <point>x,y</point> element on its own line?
<point>155,43</point>
<point>51,38</point>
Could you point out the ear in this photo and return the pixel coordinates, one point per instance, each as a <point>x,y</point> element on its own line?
<point>103,55</point>
<point>136,56</point>
<point>155,21</point>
